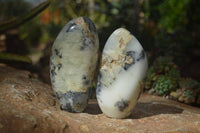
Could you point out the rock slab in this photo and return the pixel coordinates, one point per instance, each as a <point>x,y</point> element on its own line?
<point>28,105</point>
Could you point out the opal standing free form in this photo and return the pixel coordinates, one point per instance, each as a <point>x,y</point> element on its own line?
<point>73,62</point>
<point>122,73</point>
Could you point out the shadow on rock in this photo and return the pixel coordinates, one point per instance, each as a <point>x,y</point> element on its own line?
<point>142,110</point>
<point>93,108</point>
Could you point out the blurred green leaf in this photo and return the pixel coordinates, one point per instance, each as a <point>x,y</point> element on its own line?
<point>20,20</point>
<point>14,57</point>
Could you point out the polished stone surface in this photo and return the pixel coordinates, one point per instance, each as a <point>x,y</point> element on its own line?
<point>122,72</point>
<point>73,62</point>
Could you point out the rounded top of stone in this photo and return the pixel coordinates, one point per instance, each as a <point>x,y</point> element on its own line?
<point>121,31</point>
<point>75,29</point>
<point>118,40</point>
<point>81,22</point>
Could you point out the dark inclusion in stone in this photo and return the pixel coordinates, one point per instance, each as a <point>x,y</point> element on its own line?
<point>86,43</point>
<point>85,80</point>
<point>52,71</point>
<point>132,55</point>
<point>57,52</point>
<point>59,95</point>
<point>98,88</point>
<point>122,105</point>
<point>90,24</point>
<point>59,66</point>
<point>71,27</point>
<point>141,55</point>
<point>72,99</point>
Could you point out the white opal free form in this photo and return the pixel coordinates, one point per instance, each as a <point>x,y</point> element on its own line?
<point>73,63</point>
<point>122,72</point>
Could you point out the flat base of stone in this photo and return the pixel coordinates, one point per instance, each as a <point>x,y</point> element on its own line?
<point>28,105</point>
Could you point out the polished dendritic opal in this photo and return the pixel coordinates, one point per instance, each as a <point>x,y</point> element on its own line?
<point>122,72</point>
<point>73,62</point>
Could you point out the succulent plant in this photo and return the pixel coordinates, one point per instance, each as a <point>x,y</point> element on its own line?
<point>174,73</point>
<point>189,91</point>
<point>189,83</point>
<point>163,85</point>
<point>151,77</point>
<point>162,66</point>
<point>164,78</point>
<point>188,96</point>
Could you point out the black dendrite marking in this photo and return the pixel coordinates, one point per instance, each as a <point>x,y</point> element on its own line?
<point>90,24</point>
<point>58,53</point>
<point>87,41</point>
<point>59,66</point>
<point>85,80</point>
<point>141,55</point>
<point>98,90</point>
<point>122,104</point>
<point>132,55</point>
<point>59,95</point>
<point>74,99</point>
<point>135,58</point>
<point>53,70</point>
<point>85,44</point>
<point>99,86</point>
